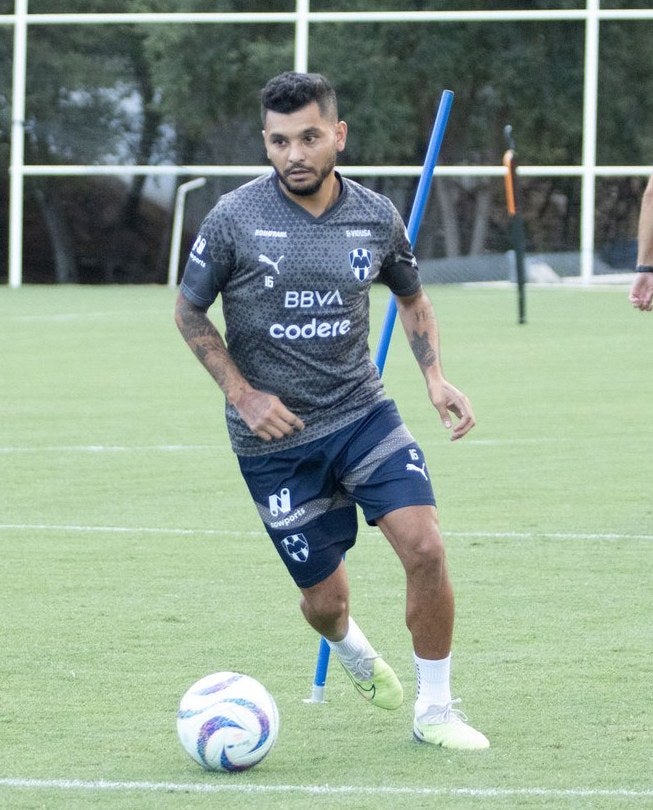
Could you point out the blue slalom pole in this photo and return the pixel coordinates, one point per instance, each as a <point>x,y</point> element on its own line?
<point>416,214</point>
<point>414,222</point>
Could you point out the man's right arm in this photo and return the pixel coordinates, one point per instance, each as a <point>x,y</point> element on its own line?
<point>207,345</point>
<point>263,413</point>
<point>641,292</point>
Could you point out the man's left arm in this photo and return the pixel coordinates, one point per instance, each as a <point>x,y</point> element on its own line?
<point>421,328</point>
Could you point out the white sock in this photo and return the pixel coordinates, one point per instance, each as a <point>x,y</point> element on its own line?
<point>355,652</point>
<point>433,685</point>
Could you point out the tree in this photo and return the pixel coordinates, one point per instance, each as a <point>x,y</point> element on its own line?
<point>190,94</point>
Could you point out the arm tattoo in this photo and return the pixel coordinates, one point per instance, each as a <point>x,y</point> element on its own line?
<point>202,337</point>
<point>193,322</point>
<point>422,349</point>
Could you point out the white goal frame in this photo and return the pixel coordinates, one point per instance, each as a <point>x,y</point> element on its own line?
<point>302,18</point>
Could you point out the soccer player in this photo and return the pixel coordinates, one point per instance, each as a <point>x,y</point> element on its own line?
<point>641,292</point>
<point>293,255</point>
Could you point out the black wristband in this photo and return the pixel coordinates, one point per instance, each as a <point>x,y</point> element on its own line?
<point>644,268</point>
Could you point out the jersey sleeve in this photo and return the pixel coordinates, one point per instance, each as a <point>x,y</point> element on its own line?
<point>399,270</point>
<point>210,261</point>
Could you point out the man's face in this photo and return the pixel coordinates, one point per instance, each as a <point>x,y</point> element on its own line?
<point>302,147</point>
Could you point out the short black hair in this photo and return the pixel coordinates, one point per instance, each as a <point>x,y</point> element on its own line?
<point>290,91</point>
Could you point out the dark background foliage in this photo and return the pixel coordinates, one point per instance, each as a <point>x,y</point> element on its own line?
<point>189,94</point>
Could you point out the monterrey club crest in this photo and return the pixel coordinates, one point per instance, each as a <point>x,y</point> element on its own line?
<point>360,260</point>
<point>296,547</point>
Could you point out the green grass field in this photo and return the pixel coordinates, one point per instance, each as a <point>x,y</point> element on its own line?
<point>133,563</point>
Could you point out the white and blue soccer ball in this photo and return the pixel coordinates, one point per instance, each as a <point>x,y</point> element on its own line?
<point>227,721</point>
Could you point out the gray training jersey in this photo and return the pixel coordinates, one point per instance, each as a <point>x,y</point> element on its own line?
<point>295,299</point>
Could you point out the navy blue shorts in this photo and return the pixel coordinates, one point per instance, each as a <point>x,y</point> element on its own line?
<point>307,496</point>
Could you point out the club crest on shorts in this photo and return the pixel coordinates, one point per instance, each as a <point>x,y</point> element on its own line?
<point>360,260</point>
<point>296,547</point>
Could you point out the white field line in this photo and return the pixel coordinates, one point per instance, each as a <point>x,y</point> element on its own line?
<point>112,448</point>
<point>321,790</point>
<point>67,527</point>
<point>109,448</point>
<point>180,448</point>
<point>551,535</point>
<point>71,527</point>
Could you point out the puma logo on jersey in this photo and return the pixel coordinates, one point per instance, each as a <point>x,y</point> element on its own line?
<point>275,265</point>
<point>421,470</point>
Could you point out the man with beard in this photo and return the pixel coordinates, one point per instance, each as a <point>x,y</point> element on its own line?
<point>293,255</point>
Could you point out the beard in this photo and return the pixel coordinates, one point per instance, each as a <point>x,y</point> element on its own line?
<point>303,189</point>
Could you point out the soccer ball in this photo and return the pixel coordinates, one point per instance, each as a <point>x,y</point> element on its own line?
<point>227,721</point>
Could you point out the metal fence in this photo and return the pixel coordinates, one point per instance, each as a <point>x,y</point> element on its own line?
<point>592,15</point>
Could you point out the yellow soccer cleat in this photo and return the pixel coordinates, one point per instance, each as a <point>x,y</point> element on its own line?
<point>383,689</point>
